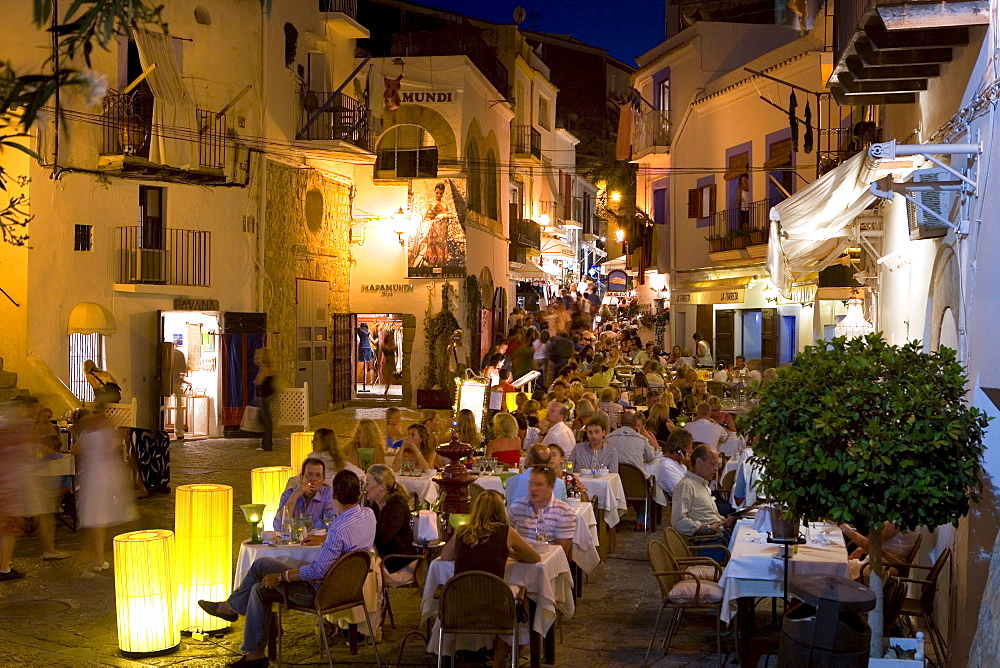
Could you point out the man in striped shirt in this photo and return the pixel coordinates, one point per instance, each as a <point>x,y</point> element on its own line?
<point>352,531</point>
<point>542,514</point>
<point>592,453</point>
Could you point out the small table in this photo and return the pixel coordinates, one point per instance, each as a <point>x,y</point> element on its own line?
<point>549,587</point>
<point>610,495</point>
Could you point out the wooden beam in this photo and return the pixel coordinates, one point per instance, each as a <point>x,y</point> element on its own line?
<point>851,85</point>
<point>883,40</point>
<point>846,98</point>
<point>872,57</point>
<point>923,15</point>
<point>857,67</point>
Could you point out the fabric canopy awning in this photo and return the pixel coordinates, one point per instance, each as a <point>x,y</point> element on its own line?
<point>557,250</point>
<point>528,271</point>
<point>810,229</point>
<point>91,318</point>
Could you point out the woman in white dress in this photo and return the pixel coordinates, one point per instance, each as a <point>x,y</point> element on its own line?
<point>106,494</point>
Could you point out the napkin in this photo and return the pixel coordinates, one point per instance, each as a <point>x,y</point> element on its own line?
<point>821,539</point>
<point>427,526</point>
<point>762,522</point>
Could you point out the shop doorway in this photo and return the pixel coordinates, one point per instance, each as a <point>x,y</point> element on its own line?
<point>788,338</point>
<point>382,376</point>
<point>196,335</point>
<point>312,303</point>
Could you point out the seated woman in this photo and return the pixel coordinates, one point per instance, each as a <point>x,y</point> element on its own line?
<point>326,448</point>
<point>721,374</point>
<point>393,533</point>
<point>699,394</point>
<point>367,437</point>
<point>675,355</point>
<point>417,447</point>
<point>430,419</point>
<point>506,447</point>
<point>584,411</point>
<point>393,429</point>
<point>557,462</point>
<point>658,420</point>
<point>687,377</point>
<point>529,409</point>
<point>897,546</point>
<point>601,375</point>
<point>654,374</point>
<point>719,415</point>
<point>487,541</point>
<point>468,430</point>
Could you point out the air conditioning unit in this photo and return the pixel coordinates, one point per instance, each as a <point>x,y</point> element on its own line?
<point>145,265</point>
<point>922,224</point>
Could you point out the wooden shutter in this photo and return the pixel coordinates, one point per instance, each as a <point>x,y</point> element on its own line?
<point>711,202</point>
<point>704,321</point>
<point>768,338</point>
<point>725,321</point>
<point>694,203</point>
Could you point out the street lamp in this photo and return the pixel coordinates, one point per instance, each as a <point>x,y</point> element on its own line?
<point>544,219</point>
<point>616,196</point>
<point>620,235</point>
<point>401,225</point>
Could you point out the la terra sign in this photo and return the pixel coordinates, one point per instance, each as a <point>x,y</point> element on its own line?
<point>425,97</point>
<point>727,296</point>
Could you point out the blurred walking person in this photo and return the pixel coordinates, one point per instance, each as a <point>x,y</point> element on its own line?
<point>106,494</point>
<point>14,433</point>
<point>266,386</point>
<point>40,489</point>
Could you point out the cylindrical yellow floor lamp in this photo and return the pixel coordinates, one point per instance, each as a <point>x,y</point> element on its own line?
<point>266,485</point>
<point>204,549</point>
<point>145,593</point>
<point>302,445</point>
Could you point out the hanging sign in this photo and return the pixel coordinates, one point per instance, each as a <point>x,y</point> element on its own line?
<point>724,296</point>
<point>430,96</point>
<point>617,283</point>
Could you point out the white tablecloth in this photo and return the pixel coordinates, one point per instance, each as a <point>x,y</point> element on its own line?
<point>424,486</point>
<point>585,538</point>
<point>756,570</point>
<point>493,482</point>
<point>299,555</point>
<point>610,493</point>
<point>548,583</point>
<point>733,446</point>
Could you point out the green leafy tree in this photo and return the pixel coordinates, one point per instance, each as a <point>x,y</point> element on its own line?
<point>864,431</point>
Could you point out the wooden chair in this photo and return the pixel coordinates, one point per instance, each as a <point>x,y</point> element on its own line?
<point>636,486</point>
<point>728,481</point>
<point>342,588</point>
<point>477,602</point>
<point>421,560</point>
<point>922,606</point>
<point>683,552</point>
<point>894,566</point>
<point>681,590</point>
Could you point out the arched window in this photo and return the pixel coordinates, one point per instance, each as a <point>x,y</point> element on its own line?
<point>473,170</point>
<point>406,151</point>
<point>490,187</point>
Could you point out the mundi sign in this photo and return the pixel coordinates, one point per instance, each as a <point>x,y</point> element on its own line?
<point>432,96</point>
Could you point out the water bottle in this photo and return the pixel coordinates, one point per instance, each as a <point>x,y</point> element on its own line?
<point>286,526</point>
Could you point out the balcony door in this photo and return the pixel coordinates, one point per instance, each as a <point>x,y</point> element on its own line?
<point>312,304</point>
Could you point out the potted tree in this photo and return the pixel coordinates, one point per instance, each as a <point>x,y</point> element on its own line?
<point>858,430</point>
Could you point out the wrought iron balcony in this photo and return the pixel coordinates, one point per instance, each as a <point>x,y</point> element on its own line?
<point>735,229</point>
<point>349,7</point>
<point>525,233</point>
<point>164,257</point>
<point>526,141</point>
<point>886,51</point>
<point>651,131</point>
<point>342,119</point>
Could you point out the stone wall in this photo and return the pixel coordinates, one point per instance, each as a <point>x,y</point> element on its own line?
<point>305,236</point>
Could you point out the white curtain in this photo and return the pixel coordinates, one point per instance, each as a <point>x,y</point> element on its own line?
<point>175,132</point>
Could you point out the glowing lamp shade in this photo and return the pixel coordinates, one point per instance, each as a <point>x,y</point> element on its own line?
<point>854,324</point>
<point>266,485</point>
<point>204,549</point>
<point>302,445</point>
<point>145,592</point>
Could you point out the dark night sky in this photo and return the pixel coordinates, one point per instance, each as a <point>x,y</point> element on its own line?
<point>626,28</point>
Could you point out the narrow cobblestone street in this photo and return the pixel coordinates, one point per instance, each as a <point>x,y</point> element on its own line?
<point>61,615</point>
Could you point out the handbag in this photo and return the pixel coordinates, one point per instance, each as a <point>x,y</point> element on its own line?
<point>251,420</point>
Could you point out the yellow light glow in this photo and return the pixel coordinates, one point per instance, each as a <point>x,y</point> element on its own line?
<point>145,591</point>
<point>544,220</point>
<point>204,528</point>
<point>302,445</point>
<point>266,485</point>
<point>616,196</point>
<point>619,235</point>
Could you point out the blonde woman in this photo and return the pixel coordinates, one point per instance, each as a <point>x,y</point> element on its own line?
<point>584,411</point>
<point>417,446</point>
<point>393,429</point>
<point>367,435</point>
<point>487,541</point>
<point>393,533</point>
<point>468,430</point>
<point>327,449</point>
<point>430,419</point>
<point>506,447</point>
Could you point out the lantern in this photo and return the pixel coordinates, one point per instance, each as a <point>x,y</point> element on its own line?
<point>145,592</point>
<point>302,445</point>
<point>266,485</point>
<point>854,324</point>
<point>204,544</point>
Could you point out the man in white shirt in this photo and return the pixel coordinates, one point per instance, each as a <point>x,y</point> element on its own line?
<point>559,432</point>
<point>672,468</point>
<point>704,429</point>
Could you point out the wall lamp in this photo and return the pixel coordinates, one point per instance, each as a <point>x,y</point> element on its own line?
<point>401,226</point>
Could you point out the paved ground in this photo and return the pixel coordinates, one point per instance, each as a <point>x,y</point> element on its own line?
<point>60,615</point>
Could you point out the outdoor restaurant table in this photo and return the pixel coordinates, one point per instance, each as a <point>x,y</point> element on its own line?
<point>610,495</point>
<point>548,584</point>
<point>423,486</point>
<point>493,482</point>
<point>585,538</point>
<point>755,569</point>
<point>300,555</point>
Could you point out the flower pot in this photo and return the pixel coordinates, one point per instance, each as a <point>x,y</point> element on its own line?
<point>782,529</point>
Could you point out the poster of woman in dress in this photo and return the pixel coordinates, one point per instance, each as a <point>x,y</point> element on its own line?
<point>437,246</point>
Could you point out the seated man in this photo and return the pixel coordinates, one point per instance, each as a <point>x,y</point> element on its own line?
<point>593,453</point>
<point>541,514</point>
<point>517,486</point>
<point>353,530</point>
<point>310,499</point>
<point>672,468</point>
<point>694,511</point>
<point>706,430</point>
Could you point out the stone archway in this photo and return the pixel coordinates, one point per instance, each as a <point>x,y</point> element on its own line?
<point>944,297</point>
<point>433,122</point>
